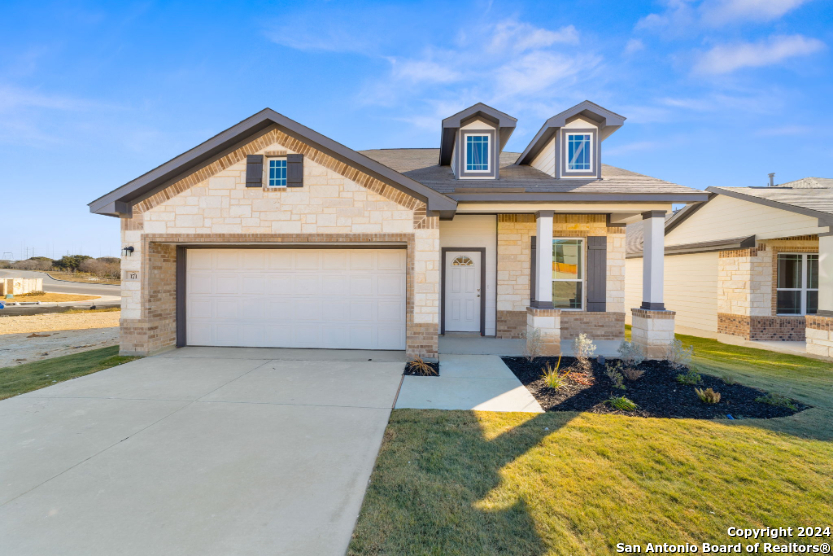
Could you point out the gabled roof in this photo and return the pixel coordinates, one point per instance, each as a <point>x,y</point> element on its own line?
<point>525,183</point>
<point>810,201</point>
<point>607,121</point>
<point>118,201</point>
<point>504,122</point>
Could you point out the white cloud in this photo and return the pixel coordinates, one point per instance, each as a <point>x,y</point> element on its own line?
<point>633,46</point>
<point>722,12</point>
<point>517,37</point>
<point>422,71</point>
<point>541,71</point>
<point>681,16</point>
<point>723,59</point>
<point>16,98</point>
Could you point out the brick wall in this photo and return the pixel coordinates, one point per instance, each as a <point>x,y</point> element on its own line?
<point>598,326</point>
<point>791,329</point>
<point>511,324</point>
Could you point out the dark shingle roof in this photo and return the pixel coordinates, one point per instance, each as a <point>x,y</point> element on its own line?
<point>421,166</point>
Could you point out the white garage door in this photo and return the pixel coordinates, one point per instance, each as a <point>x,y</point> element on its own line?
<point>306,298</point>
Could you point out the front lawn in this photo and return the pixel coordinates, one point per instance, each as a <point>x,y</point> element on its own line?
<point>39,374</point>
<point>578,483</point>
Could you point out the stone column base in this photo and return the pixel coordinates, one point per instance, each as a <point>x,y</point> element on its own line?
<point>653,330</point>
<point>548,322</point>
<point>819,335</point>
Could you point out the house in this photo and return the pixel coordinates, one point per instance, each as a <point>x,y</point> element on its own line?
<point>271,234</point>
<point>750,264</point>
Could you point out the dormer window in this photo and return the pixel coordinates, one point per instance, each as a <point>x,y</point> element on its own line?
<point>477,153</point>
<point>578,152</point>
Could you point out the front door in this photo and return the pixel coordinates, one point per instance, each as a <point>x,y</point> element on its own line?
<point>462,291</point>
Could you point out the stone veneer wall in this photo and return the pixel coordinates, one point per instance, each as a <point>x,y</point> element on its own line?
<point>514,267</point>
<point>820,336</point>
<point>653,330</point>
<point>747,292</point>
<point>337,204</point>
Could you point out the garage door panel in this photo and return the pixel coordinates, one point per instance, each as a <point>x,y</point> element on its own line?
<point>324,298</point>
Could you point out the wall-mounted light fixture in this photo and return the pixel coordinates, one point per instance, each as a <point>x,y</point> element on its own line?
<point>127,251</point>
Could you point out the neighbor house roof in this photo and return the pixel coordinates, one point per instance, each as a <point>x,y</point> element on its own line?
<point>527,183</point>
<point>118,201</point>
<point>814,201</point>
<point>635,238</point>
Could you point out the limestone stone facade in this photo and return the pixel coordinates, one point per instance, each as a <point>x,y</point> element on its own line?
<point>337,204</point>
<point>514,266</point>
<point>653,330</point>
<point>820,336</point>
<point>548,324</point>
<point>747,291</point>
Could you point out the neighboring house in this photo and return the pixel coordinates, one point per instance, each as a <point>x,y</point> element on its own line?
<point>752,263</point>
<point>270,234</point>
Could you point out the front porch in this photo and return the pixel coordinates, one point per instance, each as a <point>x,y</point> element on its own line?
<point>459,343</point>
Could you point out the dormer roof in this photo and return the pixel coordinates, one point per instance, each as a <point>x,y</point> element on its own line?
<point>504,123</point>
<point>607,122</point>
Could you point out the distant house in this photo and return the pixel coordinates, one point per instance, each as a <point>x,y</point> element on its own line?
<point>752,263</point>
<point>272,235</point>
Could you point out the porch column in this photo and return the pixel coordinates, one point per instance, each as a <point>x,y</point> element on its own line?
<point>653,326</point>
<point>653,259</point>
<point>543,263</point>
<point>819,327</point>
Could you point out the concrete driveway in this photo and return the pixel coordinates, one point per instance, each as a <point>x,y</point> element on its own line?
<point>198,451</point>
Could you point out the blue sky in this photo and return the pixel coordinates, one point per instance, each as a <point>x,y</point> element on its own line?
<point>92,95</point>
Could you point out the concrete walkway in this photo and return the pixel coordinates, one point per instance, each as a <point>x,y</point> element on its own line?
<point>468,382</point>
<point>197,451</point>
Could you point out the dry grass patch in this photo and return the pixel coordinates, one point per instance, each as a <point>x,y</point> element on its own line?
<point>49,297</point>
<point>83,277</point>
<point>81,320</point>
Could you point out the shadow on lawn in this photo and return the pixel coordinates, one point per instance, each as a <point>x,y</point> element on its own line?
<point>440,497</point>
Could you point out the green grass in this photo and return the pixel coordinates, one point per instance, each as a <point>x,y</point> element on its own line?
<point>472,483</point>
<point>39,374</point>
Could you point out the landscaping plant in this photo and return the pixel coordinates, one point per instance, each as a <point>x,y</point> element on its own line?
<point>614,373</point>
<point>631,354</point>
<point>583,349</point>
<point>708,395</point>
<point>777,400</point>
<point>690,377</point>
<point>534,345</point>
<point>679,357</point>
<point>622,403</point>
<point>632,374</point>
<point>552,377</point>
<point>422,367</point>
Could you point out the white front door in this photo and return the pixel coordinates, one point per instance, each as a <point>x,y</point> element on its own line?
<point>462,291</point>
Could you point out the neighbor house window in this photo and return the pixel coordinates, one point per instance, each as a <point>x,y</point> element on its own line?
<point>277,172</point>
<point>578,151</point>
<point>477,153</point>
<point>797,288</point>
<point>568,273</point>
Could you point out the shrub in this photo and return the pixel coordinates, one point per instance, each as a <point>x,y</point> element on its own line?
<point>552,378</point>
<point>423,368</point>
<point>632,374</point>
<point>614,373</point>
<point>106,267</point>
<point>690,377</point>
<point>32,293</point>
<point>534,344</point>
<point>678,356</point>
<point>631,354</point>
<point>583,347</point>
<point>777,400</point>
<point>708,395</point>
<point>583,379</point>
<point>729,380</point>
<point>622,403</point>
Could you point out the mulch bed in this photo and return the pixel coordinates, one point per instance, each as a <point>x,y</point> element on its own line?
<point>656,393</point>
<point>411,370</point>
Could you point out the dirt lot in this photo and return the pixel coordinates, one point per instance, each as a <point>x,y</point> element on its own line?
<point>52,297</point>
<point>58,321</point>
<point>28,347</point>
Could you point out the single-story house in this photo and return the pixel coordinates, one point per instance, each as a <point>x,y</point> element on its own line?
<point>751,263</point>
<point>271,234</point>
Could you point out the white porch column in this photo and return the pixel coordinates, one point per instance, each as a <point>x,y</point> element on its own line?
<point>826,275</point>
<point>543,263</point>
<point>819,327</point>
<point>653,259</point>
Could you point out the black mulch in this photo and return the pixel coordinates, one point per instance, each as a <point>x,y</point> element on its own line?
<point>656,392</point>
<point>411,370</point>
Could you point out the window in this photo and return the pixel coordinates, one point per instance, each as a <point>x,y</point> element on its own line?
<point>462,261</point>
<point>797,288</point>
<point>578,152</point>
<point>477,153</point>
<point>568,273</point>
<point>277,172</point>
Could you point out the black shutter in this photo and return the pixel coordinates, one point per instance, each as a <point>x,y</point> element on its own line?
<point>533,264</point>
<point>596,274</point>
<point>295,170</point>
<point>254,170</point>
